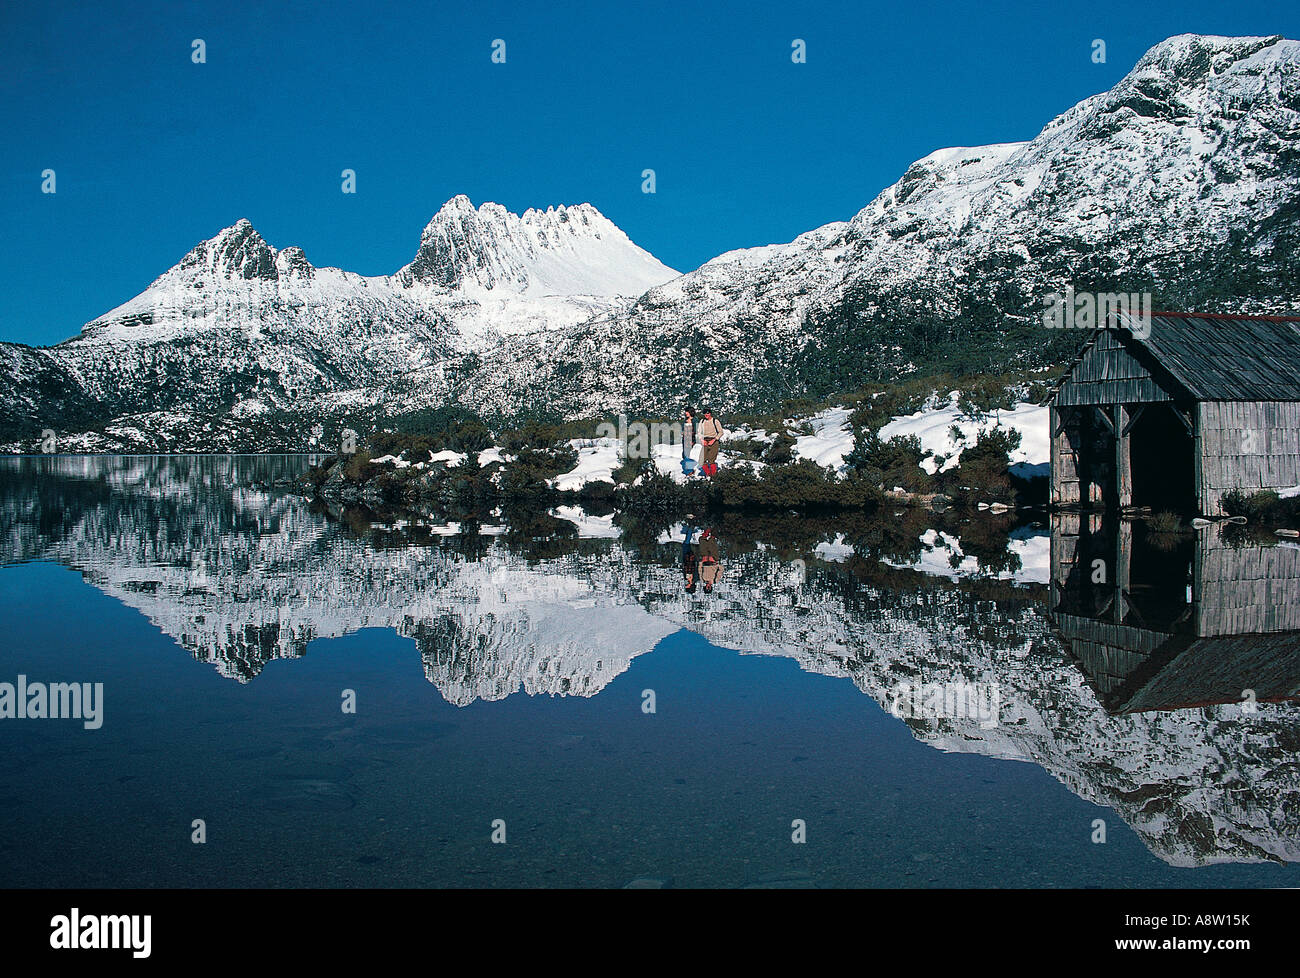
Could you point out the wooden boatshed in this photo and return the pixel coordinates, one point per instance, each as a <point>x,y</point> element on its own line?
<point>1175,416</point>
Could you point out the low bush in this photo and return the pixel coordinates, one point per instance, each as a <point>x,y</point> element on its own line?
<point>750,448</point>
<point>1266,508</point>
<point>800,485</point>
<point>982,472</point>
<point>527,475</point>
<point>317,474</point>
<point>780,451</point>
<point>895,462</point>
<point>628,469</point>
<point>657,498</point>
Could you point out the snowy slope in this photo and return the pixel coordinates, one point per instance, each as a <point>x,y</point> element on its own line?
<point>1183,180</point>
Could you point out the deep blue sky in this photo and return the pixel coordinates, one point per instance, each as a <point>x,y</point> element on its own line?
<point>154,153</point>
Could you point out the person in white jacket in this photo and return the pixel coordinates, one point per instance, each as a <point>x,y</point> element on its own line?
<point>711,432</point>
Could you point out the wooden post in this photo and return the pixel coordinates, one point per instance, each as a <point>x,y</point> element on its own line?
<point>1064,428</point>
<point>1198,459</point>
<point>1123,458</point>
<point>1092,473</point>
<point>1054,432</point>
<point>1123,569</point>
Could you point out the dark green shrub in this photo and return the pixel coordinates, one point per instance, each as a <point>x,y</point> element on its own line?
<point>750,448</point>
<point>1265,508</point>
<point>628,469</point>
<point>895,462</point>
<point>527,475</point>
<point>984,395</point>
<point>780,451</point>
<point>800,485</point>
<point>982,471</point>
<point>317,474</point>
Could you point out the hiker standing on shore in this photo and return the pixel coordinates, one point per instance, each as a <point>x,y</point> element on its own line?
<point>710,435</point>
<point>688,440</point>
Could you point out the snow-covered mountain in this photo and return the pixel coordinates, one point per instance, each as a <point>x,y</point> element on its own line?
<point>1182,181</point>
<point>512,265</point>
<point>238,333</point>
<point>240,576</point>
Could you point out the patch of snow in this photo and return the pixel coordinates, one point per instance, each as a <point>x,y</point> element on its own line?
<point>831,440</point>
<point>597,460</point>
<point>837,550</point>
<point>589,527</point>
<point>453,459</point>
<point>933,425</point>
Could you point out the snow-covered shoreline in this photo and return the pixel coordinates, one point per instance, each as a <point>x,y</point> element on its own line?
<point>832,439</point>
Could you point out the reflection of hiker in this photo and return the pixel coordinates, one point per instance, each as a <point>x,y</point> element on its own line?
<point>688,440</point>
<point>690,563</point>
<point>710,566</point>
<point>710,434</point>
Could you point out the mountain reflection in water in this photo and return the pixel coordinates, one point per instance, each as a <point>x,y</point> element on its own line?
<point>1126,687</point>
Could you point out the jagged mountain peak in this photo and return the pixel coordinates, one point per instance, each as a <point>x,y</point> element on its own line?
<point>292,261</point>
<point>564,250</point>
<point>234,252</point>
<point>1190,56</point>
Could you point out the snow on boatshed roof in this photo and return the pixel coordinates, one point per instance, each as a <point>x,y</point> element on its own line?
<point>1202,356</point>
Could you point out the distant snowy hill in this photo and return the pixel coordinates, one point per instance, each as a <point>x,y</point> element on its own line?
<point>1182,181</point>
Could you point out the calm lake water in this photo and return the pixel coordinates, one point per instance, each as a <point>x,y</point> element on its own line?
<point>929,702</point>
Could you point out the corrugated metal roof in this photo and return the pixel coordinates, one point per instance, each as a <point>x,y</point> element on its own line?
<point>1218,357</point>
